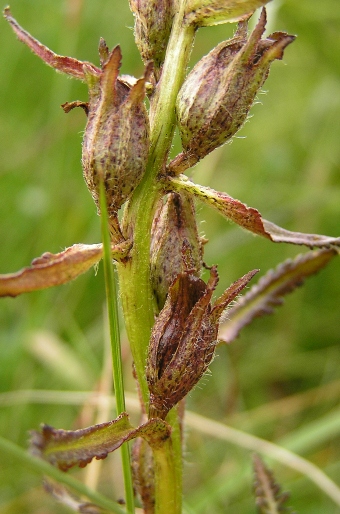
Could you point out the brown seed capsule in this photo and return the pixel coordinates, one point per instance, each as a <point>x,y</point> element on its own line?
<point>183,338</point>
<point>116,140</point>
<point>175,244</point>
<point>216,97</point>
<point>153,21</point>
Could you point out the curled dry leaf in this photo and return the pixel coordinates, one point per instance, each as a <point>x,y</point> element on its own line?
<point>56,269</point>
<point>248,217</point>
<point>68,65</point>
<point>68,448</point>
<point>270,290</point>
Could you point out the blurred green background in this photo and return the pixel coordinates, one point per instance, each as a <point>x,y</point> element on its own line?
<point>280,380</point>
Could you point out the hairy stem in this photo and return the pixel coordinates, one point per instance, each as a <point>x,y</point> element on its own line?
<point>134,276</point>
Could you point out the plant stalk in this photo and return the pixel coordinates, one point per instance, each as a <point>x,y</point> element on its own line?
<point>134,276</point>
<point>117,366</point>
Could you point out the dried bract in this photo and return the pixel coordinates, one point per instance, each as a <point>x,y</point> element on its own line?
<point>116,140</point>
<point>203,13</point>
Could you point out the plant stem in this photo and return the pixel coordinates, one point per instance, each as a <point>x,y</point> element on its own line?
<point>134,276</point>
<point>117,366</point>
<point>168,480</point>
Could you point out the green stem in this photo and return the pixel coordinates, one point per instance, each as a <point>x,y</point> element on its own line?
<point>44,468</point>
<point>168,480</point>
<point>117,366</point>
<point>134,276</point>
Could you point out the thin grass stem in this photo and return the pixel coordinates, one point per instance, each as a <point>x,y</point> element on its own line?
<point>112,307</point>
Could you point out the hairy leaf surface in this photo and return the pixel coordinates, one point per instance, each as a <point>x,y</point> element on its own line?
<point>68,448</point>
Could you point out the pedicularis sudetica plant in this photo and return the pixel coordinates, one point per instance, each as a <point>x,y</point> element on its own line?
<point>171,318</point>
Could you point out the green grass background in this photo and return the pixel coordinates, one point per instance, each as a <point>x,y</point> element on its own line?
<point>282,374</point>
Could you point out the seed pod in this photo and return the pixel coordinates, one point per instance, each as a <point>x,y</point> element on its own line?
<point>116,140</point>
<point>216,97</point>
<point>183,339</point>
<point>153,20</point>
<point>174,242</point>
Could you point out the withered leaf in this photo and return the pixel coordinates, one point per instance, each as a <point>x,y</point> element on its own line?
<point>56,269</point>
<point>270,290</point>
<point>248,217</point>
<point>269,498</point>
<point>68,448</point>
<point>67,65</point>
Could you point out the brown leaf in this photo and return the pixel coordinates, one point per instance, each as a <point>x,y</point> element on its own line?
<point>248,217</point>
<point>270,290</point>
<point>68,448</point>
<point>56,269</point>
<point>67,65</point>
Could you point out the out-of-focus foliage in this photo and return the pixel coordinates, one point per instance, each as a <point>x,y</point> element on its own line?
<point>288,166</point>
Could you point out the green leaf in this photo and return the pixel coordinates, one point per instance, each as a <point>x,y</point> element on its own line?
<point>270,290</point>
<point>68,448</point>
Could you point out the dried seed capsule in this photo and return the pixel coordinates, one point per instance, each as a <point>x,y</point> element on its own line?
<point>174,241</point>
<point>153,20</point>
<point>215,99</point>
<point>116,140</point>
<point>183,339</point>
